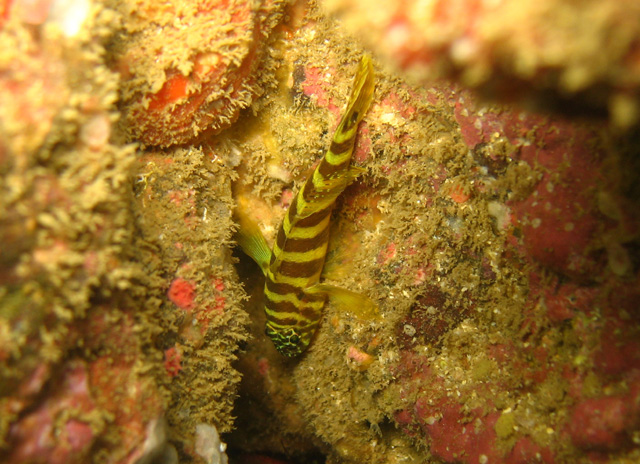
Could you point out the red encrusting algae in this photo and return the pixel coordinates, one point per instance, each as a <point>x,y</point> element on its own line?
<point>182,293</point>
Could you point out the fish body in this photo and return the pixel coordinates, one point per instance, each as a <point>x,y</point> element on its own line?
<point>294,296</point>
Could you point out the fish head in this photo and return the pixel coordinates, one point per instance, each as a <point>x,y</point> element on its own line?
<point>289,341</point>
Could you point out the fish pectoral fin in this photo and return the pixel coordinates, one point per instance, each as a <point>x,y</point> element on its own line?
<point>348,301</point>
<point>276,264</point>
<point>251,240</point>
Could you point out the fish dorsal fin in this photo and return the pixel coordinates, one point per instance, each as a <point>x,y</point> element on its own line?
<point>328,188</point>
<point>359,100</point>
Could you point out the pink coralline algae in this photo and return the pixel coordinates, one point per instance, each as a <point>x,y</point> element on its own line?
<point>560,219</point>
<point>182,293</point>
<point>67,310</point>
<point>585,54</point>
<point>605,423</point>
<point>526,451</point>
<point>46,435</point>
<point>457,437</point>
<point>172,358</point>
<point>361,359</point>
<point>578,328</point>
<point>131,400</point>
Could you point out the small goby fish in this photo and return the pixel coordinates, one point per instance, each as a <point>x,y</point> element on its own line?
<point>294,296</point>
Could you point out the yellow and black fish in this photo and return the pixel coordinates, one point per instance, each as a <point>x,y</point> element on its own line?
<point>294,296</point>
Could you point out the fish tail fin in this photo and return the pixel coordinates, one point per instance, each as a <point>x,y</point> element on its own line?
<point>359,101</point>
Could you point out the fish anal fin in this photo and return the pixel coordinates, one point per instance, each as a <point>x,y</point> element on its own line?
<point>348,301</point>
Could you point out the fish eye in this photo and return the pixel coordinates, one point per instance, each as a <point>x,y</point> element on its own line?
<point>294,338</point>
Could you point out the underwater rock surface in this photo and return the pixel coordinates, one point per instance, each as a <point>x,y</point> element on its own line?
<point>198,73</point>
<point>574,57</point>
<point>101,358</point>
<point>493,240</point>
<point>501,245</point>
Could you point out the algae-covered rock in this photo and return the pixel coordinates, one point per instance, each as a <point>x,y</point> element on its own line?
<point>575,58</point>
<point>492,239</point>
<point>102,357</point>
<point>197,74</point>
<point>499,245</point>
<point>71,338</point>
<point>183,215</point>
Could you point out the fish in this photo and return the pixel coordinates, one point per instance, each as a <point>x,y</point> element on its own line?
<point>294,296</point>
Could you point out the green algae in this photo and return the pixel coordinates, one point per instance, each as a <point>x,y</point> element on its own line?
<point>505,425</point>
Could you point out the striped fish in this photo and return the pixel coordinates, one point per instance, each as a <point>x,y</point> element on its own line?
<point>294,296</point>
